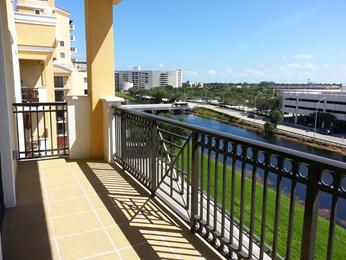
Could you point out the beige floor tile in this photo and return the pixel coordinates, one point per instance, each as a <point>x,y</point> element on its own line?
<point>65,193</point>
<point>23,234</point>
<point>54,183</point>
<point>144,251</point>
<point>42,250</point>
<point>125,236</point>
<point>75,224</point>
<point>55,173</point>
<point>108,256</point>
<point>26,214</point>
<point>71,206</point>
<point>106,218</point>
<point>84,245</point>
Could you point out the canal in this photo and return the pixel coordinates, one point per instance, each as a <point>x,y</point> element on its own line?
<point>325,199</point>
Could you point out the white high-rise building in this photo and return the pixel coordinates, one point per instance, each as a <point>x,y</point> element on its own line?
<point>147,79</point>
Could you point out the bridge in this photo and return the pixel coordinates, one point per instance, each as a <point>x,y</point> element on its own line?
<point>177,107</point>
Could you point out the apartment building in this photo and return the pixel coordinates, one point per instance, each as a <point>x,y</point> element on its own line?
<point>304,103</point>
<point>47,73</point>
<point>124,80</point>
<point>45,47</point>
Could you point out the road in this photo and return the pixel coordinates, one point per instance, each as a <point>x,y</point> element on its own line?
<point>289,129</point>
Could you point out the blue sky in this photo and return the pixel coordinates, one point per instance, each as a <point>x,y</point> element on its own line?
<point>228,41</point>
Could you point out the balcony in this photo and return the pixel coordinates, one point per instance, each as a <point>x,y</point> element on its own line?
<point>91,209</point>
<point>72,27</point>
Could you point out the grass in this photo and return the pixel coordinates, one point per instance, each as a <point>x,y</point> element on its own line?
<point>214,115</point>
<point>323,224</point>
<point>124,95</point>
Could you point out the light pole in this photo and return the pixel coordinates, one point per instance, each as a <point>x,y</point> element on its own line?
<point>319,101</point>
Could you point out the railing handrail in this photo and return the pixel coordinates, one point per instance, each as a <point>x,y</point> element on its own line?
<point>40,103</point>
<point>294,154</point>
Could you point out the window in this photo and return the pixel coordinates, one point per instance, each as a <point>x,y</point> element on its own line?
<point>58,82</point>
<point>59,95</point>
<point>62,43</point>
<point>85,92</point>
<point>37,11</point>
<point>62,54</point>
<point>54,59</point>
<point>85,80</point>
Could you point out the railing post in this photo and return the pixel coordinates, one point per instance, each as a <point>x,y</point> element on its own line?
<point>194,180</point>
<point>123,136</point>
<point>310,215</point>
<point>153,155</point>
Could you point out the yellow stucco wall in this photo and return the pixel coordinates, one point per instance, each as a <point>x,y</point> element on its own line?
<point>47,76</point>
<point>63,34</point>
<point>31,73</point>
<point>35,35</point>
<point>50,3</point>
<point>100,59</point>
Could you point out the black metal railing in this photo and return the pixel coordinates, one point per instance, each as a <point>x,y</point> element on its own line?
<point>249,199</point>
<point>41,129</point>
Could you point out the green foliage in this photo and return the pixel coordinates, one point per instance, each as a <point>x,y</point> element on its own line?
<point>275,117</point>
<point>124,95</point>
<point>327,118</point>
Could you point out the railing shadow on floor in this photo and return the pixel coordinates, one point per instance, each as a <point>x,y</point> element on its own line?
<point>141,217</point>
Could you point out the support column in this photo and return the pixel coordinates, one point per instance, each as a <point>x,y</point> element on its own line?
<point>100,62</point>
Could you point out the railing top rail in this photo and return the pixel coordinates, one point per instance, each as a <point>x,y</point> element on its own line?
<point>262,146</point>
<point>40,104</point>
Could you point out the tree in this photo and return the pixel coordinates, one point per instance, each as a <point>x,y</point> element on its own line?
<point>327,119</point>
<point>275,117</point>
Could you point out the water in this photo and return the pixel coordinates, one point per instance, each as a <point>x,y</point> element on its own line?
<point>325,199</point>
<point>277,140</point>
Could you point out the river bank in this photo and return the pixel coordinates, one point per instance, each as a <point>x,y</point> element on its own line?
<point>211,114</point>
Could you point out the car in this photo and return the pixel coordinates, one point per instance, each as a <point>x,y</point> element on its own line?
<point>251,116</point>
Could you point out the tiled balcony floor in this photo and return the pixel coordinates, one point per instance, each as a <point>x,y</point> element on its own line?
<point>91,210</point>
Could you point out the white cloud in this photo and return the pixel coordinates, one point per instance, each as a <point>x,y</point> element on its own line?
<point>161,65</point>
<point>253,72</point>
<point>301,66</point>
<point>304,56</point>
<point>190,73</point>
<point>212,72</point>
<point>326,66</point>
<point>284,57</point>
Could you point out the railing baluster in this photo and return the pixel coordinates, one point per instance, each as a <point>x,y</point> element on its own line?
<point>154,145</point>
<point>224,182</point>
<point>253,201</point>
<point>233,173</point>
<point>332,223</point>
<point>194,180</point>
<point>242,195</point>
<point>216,185</point>
<point>277,209</point>
<point>202,179</point>
<point>264,204</point>
<point>291,211</point>
<point>310,215</point>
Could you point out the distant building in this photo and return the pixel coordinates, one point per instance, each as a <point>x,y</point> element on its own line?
<point>304,103</point>
<point>196,84</point>
<point>147,79</point>
<point>310,86</point>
